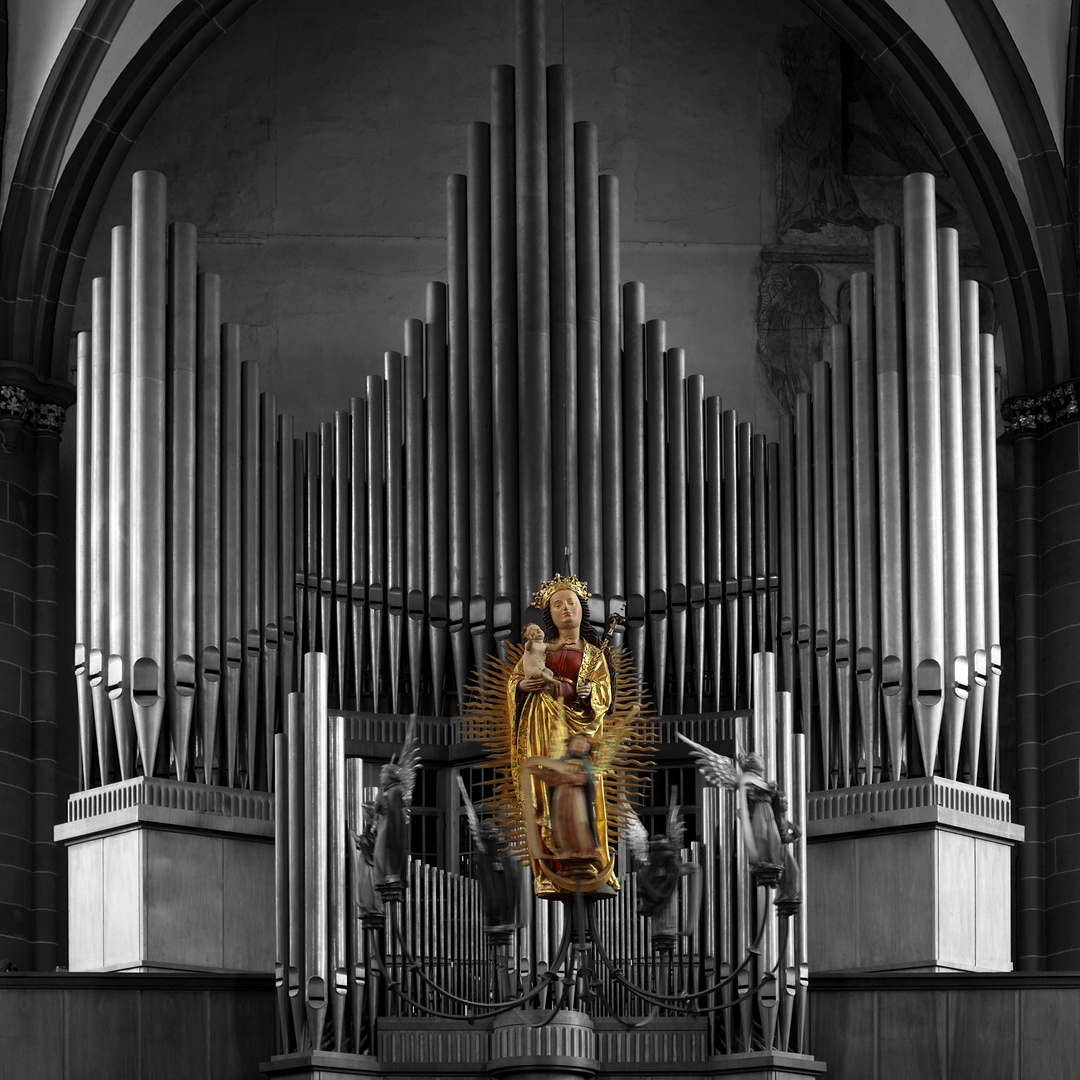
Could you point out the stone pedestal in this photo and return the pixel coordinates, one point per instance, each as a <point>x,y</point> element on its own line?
<point>165,876</point>
<point>912,875</point>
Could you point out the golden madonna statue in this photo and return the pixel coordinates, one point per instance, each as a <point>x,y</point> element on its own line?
<point>561,717</point>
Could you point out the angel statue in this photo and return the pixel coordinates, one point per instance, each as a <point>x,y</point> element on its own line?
<point>567,744</point>
<point>658,877</point>
<point>391,852</point>
<point>763,809</point>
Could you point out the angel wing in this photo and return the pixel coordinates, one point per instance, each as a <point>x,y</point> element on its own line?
<point>409,762</point>
<point>716,768</point>
<point>676,827</point>
<point>474,818</point>
<point>636,835</point>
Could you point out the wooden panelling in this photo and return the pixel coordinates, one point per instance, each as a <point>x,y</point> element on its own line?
<point>86,911</point>
<point>955,899</point>
<point>30,1027</point>
<point>1050,1035</point>
<point>912,1036</point>
<point>172,1031</point>
<point>842,1033</point>
<point>124,933</point>
<point>102,1031</point>
<point>982,1034</point>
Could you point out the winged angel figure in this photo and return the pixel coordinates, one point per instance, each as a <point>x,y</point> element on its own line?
<point>763,809</point>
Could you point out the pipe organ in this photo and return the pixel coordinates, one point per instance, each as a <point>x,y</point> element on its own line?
<point>537,412</point>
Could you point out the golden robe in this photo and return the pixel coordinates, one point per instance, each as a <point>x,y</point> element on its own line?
<point>541,729</point>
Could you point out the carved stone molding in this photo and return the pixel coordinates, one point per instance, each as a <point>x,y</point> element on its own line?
<point>1040,412</point>
<point>20,413</point>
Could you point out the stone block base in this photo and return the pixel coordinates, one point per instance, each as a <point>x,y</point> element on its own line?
<point>167,876</point>
<point>912,875</point>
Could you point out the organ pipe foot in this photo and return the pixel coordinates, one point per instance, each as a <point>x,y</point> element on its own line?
<point>895,707</point>
<point>233,676</point>
<point>103,731</point>
<point>697,628</point>
<point>767,1009</point>
<point>867,690</point>
<point>183,716</point>
<point>86,728</point>
<point>678,640</point>
<point>973,722</point>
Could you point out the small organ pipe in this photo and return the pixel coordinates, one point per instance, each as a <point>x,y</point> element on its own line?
<point>714,539</point>
<point>502,277</point>
<point>358,507</point>
<point>250,564</point>
<point>744,512</point>
<point>342,550</point>
<point>678,591</point>
<point>975,522</point>
<point>287,553</point>
<point>867,655</point>
<point>633,407</point>
<point>84,579</point>
<point>208,552</point>
<point>957,679</point>
<point>297,846</point>
<point>788,623</point>
<point>337,913</point>
<point>313,520</point>
<point>592,391</point>
<point>231,582</point>
<point>611,377</point>
<point>147,522</point>
<point>376,523</point>
<point>271,629</point>
<point>990,566</point>
<point>892,491</point>
<point>436,447</point>
<point>563,244</point>
<point>281,890</point>
<point>481,570</point>
<point>823,543</point>
<point>316,845</point>
<point>395,521</point>
<point>100,437</point>
<point>457,337</point>
<point>927,629</point>
<point>118,672</point>
<point>181,338</point>
<point>656,516</point>
<point>695,527</point>
<point>534,307</point>
<point>729,465</point>
<point>804,567</point>
<point>415,478</point>
<point>760,533</point>
<point>842,560</point>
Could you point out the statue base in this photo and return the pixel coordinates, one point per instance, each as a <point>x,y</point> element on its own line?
<point>170,876</point>
<point>912,875</point>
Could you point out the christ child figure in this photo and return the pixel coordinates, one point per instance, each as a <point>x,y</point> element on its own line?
<point>534,658</point>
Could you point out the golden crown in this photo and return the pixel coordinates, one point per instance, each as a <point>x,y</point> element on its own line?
<point>547,590</point>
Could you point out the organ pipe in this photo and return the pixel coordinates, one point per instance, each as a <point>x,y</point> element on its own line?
<point>97,366</point>
<point>181,338</point>
<point>390,538</point>
<point>85,585</point>
<point>118,671</point>
<point>501,279</point>
<point>956,681</point>
<point>927,628</point>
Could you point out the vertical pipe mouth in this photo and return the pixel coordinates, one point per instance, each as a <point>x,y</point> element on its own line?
<point>184,675</point>
<point>211,663</point>
<point>928,688</point>
<point>115,678</point>
<point>864,663</point>
<point>979,667</point>
<point>146,682</point>
<point>892,674</point>
<point>961,676</point>
<point>95,664</point>
<point>232,652</point>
